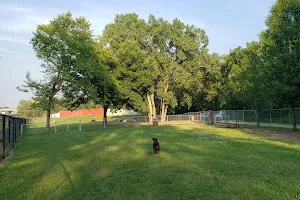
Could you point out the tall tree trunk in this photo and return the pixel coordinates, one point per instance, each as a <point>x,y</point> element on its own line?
<point>105,115</point>
<point>164,112</point>
<point>48,119</point>
<point>160,110</point>
<point>153,106</point>
<point>164,106</point>
<point>257,117</point>
<point>150,111</point>
<point>294,116</point>
<point>162,116</point>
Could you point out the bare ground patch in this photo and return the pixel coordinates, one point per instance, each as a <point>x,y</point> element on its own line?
<point>282,134</point>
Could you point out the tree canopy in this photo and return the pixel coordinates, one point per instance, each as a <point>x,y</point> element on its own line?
<point>65,47</point>
<point>281,47</point>
<point>156,63</point>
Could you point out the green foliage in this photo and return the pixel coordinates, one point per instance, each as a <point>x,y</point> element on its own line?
<point>246,77</point>
<point>179,52</point>
<point>254,79</point>
<point>90,104</point>
<point>232,67</point>
<point>44,91</point>
<point>28,110</point>
<point>65,47</point>
<point>58,105</point>
<point>121,47</point>
<point>282,48</point>
<point>63,44</point>
<point>154,57</point>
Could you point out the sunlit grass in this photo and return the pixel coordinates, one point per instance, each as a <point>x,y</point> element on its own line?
<point>196,162</point>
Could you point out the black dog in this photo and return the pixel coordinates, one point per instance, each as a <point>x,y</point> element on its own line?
<point>156,146</point>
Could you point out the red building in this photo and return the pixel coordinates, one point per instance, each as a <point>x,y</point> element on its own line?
<point>85,112</point>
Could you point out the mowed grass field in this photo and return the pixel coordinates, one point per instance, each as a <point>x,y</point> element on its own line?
<point>195,162</point>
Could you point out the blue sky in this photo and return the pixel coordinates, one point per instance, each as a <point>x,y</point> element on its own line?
<point>228,24</point>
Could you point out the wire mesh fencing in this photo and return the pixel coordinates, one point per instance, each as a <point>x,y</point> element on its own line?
<point>267,117</point>
<point>239,115</point>
<point>277,116</point>
<point>10,131</point>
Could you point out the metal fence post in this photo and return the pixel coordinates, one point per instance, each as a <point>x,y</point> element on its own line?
<point>9,130</point>
<point>290,118</point>
<point>55,127</point>
<point>256,116</point>
<point>12,130</point>
<point>233,115</point>
<point>3,135</point>
<point>80,126</point>
<point>68,128</point>
<point>271,116</point>
<point>15,131</point>
<point>243,116</point>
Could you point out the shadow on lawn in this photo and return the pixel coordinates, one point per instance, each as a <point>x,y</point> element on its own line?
<point>118,163</point>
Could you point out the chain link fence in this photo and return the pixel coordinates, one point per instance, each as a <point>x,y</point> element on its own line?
<point>266,117</point>
<point>10,130</point>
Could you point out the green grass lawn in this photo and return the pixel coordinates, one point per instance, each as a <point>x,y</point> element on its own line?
<point>196,162</point>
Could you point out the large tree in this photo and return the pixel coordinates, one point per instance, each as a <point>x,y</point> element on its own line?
<point>232,69</point>
<point>281,45</point>
<point>246,83</point>
<point>154,60</point>
<point>64,46</point>
<point>125,43</point>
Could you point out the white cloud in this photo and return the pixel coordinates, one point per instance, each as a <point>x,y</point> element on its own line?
<point>14,39</point>
<point>19,28</point>
<point>20,9</point>
<point>193,21</point>
<point>14,8</point>
<point>19,22</point>
<point>40,20</point>
<point>161,8</point>
<point>9,51</point>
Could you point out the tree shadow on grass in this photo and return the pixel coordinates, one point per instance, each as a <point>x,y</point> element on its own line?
<point>119,163</point>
